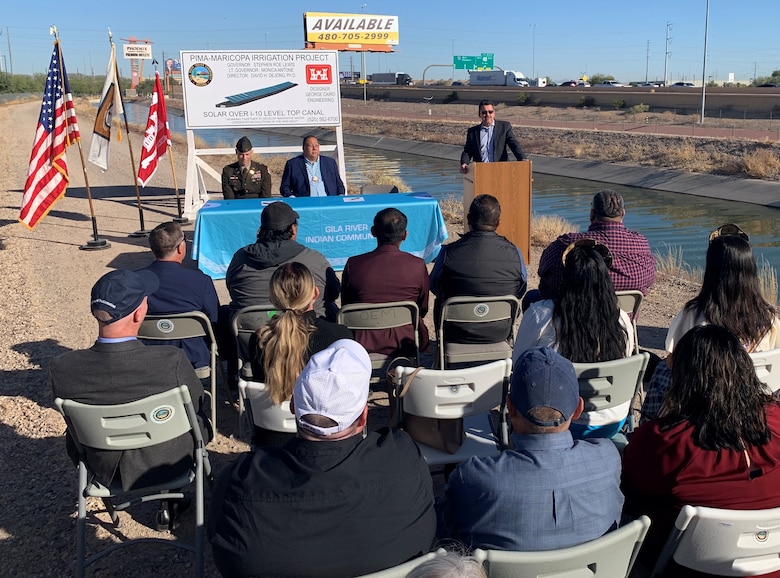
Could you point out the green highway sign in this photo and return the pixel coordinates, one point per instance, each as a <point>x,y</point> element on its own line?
<point>482,62</point>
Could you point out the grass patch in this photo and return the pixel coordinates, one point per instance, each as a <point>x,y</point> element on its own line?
<point>671,265</point>
<point>767,279</point>
<point>761,164</point>
<point>545,229</point>
<point>452,209</point>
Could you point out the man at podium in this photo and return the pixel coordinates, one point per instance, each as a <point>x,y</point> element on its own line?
<point>488,141</point>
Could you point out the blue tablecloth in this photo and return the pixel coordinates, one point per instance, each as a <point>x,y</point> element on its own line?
<point>337,227</point>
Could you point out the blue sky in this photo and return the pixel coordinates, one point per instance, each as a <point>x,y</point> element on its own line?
<point>558,38</point>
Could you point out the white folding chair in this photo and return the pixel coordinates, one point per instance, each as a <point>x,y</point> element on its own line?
<point>724,542</point>
<point>767,364</point>
<point>466,310</point>
<point>469,393</point>
<point>610,556</point>
<point>609,384</point>
<point>139,424</point>
<point>374,316</point>
<point>194,324</point>
<point>630,301</point>
<point>262,411</point>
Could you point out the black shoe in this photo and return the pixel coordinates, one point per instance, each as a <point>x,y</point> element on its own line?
<point>169,512</point>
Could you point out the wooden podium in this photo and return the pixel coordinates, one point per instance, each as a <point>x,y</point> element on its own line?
<point>510,183</point>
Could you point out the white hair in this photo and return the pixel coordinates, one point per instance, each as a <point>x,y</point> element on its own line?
<point>449,565</point>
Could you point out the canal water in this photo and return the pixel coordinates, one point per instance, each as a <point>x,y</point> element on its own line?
<point>670,221</point>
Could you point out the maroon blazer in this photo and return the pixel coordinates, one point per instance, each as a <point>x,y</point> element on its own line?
<point>387,274</point>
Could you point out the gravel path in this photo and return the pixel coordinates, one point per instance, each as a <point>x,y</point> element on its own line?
<point>46,280</point>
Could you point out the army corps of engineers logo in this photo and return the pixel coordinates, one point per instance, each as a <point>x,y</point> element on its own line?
<point>200,74</point>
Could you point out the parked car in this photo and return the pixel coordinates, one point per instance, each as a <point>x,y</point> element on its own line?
<point>648,84</point>
<point>683,85</point>
<point>609,84</point>
<point>458,83</point>
<point>582,83</point>
<point>568,83</point>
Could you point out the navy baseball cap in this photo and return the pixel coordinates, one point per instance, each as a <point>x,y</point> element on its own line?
<point>120,292</point>
<point>277,216</point>
<point>544,378</point>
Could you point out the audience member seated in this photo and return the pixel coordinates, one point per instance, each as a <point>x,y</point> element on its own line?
<point>730,296</point>
<point>119,369</point>
<point>584,324</point>
<point>181,290</point>
<point>480,263</point>
<point>716,441</point>
<point>284,345</point>
<point>633,265</point>
<point>335,501</point>
<point>388,274</point>
<point>550,491</point>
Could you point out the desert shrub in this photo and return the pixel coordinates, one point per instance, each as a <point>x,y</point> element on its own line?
<point>522,98</point>
<point>451,97</point>
<point>618,104</point>
<point>546,228</point>
<point>537,101</point>
<point>767,280</point>
<point>586,102</point>
<point>382,177</point>
<point>452,209</point>
<point>639,108</point>
<point>761,164</point>
<point>672,266</point>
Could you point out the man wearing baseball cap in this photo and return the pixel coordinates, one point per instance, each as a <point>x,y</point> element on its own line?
<point>251,268</point>
<point>245,179</point>
<point>549,491</point>
<point>118,368</point>
<point>335,501</point>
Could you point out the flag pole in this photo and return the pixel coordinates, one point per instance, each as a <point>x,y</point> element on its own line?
<point>142,232</point>
<point>95,243</point>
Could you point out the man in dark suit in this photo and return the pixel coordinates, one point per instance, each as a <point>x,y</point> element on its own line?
<point>245,179</point>
<point>488,142</point>
<point>118,369</point>
<point>388,274</point>
<point>311,175</point>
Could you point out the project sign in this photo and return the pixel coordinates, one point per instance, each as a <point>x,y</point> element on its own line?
<point>322,27</point>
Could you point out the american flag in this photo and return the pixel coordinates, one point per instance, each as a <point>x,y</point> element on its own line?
<point>157,137</point>
<point>47,177</point>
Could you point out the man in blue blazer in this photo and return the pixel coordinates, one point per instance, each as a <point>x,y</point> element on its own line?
<point>488,141</point>
<point>311,175</point>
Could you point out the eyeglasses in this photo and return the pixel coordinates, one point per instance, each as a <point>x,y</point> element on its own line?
<point>183,239</point>
<point>488,112</point>
<point>602,250</point>
<point>729,229</point>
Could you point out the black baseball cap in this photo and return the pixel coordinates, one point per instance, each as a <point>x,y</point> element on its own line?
<point>277,216</point>
<point>120,292</point>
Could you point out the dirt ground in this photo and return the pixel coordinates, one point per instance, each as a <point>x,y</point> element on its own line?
<point>46,281</point>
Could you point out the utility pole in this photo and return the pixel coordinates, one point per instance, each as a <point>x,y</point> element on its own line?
<point>453,59</point>
<point>704,61</point>
<point>647,60</point>
<point>363,77</point>
<point>669,26</point>
<point>533,51</point>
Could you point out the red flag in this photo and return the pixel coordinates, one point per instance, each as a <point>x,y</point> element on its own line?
<point>157,137</point>
<point>47,177</point>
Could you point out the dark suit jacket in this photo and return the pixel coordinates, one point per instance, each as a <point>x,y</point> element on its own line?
<point>503,138</point>
<point>112,373</point>
<point>387,274</point>
<point>295,179</point>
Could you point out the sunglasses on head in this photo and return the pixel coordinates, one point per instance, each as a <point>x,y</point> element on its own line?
<point>729,229</point>
<point>602,250</point>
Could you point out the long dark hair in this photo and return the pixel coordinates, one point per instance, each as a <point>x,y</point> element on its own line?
<point>715,389</point>
<point>586,317</point>
<point>730,293</point>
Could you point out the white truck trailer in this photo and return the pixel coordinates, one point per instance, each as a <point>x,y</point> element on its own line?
<point>497,78</point>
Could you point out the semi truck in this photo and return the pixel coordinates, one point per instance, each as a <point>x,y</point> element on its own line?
<point>398,78</point>
<point>497,78</point>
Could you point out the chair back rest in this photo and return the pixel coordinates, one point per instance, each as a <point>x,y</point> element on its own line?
<point>177,326</point>
<point>455,393</point>
<point>630,301</point>
<point>382,316</point>
<point>137,424</point>
<point>610,556</point>
<point>245,323</point>
<point>467,309</point>
<point>727,542</point>
<point>263,411</point>
<point>767,364</point>
<point>610,383</point>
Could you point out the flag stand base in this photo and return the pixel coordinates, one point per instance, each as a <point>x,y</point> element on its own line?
<point>140,233</point>
<point>95,245</point>
<point>181,220</point>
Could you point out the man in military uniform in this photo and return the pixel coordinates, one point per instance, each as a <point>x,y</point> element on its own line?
<point>245,178</point>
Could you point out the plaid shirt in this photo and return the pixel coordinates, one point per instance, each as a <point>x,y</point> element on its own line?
<point>633,265</point>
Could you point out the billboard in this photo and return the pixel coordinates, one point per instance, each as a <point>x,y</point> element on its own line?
<point>137,50</point>
<point>350,31</point>
<point>224,89</point>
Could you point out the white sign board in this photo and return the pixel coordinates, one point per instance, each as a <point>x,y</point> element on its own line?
<point>137,50</point>
<point>224,89</point>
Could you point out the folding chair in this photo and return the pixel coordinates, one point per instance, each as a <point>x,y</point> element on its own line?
<point>194,324</point>
<point>630,301</point>
<point>767,364</point>
<point>469,393</point>
<point>609,384</point>
<point>262,411</point>
<point>610,556</point>
<point>389,315</point>
<point>139,424</point>
<point>475,310</point>
<point>244,324</point>
<point>724,542</point>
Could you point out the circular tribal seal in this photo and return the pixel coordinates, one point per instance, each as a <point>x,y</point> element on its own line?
<point>162,414</point>
<point>165,325</point>
<point>200,74</point>
<point>481,309</point>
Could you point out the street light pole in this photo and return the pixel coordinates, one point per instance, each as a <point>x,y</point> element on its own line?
<point>704,61</point>
<point>533,50</point>
<point>363,54</point>
<point>453,59</point>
